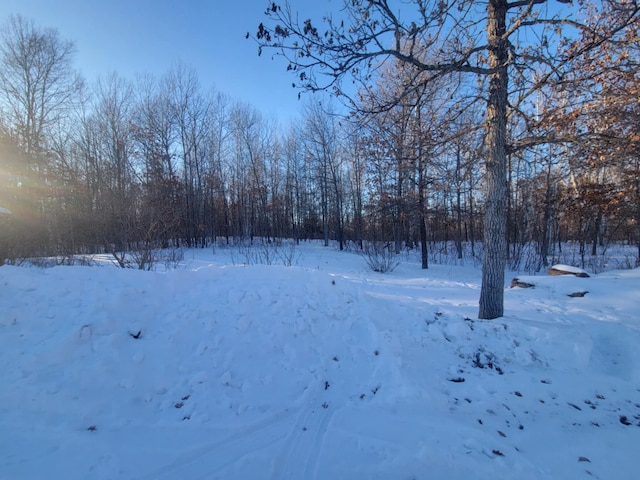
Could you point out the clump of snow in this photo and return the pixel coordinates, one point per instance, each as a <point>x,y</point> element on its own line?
<point>320,370</point>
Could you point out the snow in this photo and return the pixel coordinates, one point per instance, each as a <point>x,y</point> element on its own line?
<point>5,211</point>
<point>319,370</point>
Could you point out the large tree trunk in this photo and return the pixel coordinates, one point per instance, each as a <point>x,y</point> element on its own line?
<point>494,248</point>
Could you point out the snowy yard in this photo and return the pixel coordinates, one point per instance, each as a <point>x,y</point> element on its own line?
<point>322,370</point>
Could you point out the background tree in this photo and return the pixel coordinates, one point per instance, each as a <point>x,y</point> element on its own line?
<point>119,192</point>
<point>323,149</point>
<point>603,118</point>
<point>153,136</point>
<point>191,114</point>
<point>37,82</point>
<point>437,38</point>
<point>161,162</point>
<point>38,87</point>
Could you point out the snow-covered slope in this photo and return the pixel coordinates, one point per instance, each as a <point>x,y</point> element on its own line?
<point>317,371</point>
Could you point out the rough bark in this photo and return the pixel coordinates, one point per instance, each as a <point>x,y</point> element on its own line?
<point>494,245</point>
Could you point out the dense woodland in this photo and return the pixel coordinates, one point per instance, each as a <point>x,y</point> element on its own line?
<point>122,165</point>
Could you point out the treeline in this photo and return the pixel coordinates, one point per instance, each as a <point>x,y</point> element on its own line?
<point>126,165</point>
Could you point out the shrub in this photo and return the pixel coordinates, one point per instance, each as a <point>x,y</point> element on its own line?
<point>380,257</point>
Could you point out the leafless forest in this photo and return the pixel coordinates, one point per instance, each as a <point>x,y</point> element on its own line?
<point>402,158</point>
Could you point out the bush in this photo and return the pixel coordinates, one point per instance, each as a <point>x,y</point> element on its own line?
<point>380,257</point>
<point>265,252</point>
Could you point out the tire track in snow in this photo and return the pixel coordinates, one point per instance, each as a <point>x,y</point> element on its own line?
<point>311,466</point>
<point>205,461</point>
<point>304,444</point>
<point>298,434</point>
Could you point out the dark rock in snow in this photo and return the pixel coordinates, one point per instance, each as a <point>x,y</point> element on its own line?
<point>577,294</point>
<point>624,420</point>
<point>517,283</point>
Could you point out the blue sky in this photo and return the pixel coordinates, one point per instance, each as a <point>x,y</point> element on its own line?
<point>149,36</point>
<point>134,36</point>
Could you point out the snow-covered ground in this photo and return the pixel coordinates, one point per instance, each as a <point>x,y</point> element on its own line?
<point>322,370</point>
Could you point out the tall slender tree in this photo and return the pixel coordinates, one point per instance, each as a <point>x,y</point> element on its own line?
<point>38,85</point>
<point>323,148</point>
<point>37,81</point>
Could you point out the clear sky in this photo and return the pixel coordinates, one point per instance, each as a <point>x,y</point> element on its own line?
<point>137,36</point>
<point>149,36</point>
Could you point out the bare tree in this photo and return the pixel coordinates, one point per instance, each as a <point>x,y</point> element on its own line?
<point>356,164</point>
<point>37,81</point>
<point>217,208</point>
<point>37,88</point>
<point>154,135</point>
<point>191,108</point>
<point>406,137</point>
<point>323,148</point>
<point>252,141</point>
<point>112,134</point>
<point>437,38</point>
